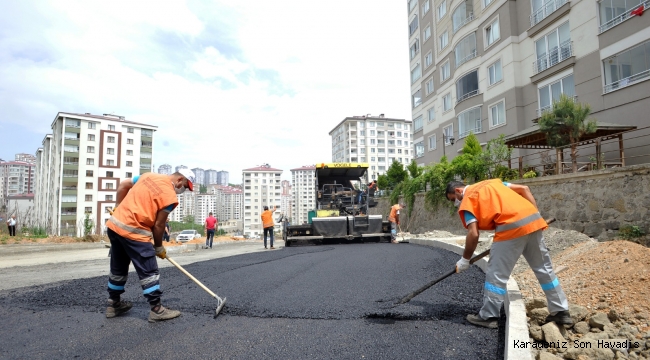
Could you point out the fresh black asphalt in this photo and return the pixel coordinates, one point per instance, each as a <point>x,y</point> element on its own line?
<point>305,302</point>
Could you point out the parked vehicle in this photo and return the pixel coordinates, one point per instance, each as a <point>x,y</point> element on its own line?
<point>187,235</point>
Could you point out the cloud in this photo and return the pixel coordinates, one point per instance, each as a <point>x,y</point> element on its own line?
<point>230,84</point>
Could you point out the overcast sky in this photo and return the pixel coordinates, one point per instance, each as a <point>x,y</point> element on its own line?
<point>231,84</point>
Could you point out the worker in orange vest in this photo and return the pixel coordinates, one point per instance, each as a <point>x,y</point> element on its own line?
<point>141,209</point>
<point>268,224</point>
<point>394,220</point>
<point>511,211</point>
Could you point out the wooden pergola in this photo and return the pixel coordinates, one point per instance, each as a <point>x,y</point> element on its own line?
<point>533,138</point>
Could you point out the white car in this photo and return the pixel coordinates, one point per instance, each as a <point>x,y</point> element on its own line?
<point>187,235</point>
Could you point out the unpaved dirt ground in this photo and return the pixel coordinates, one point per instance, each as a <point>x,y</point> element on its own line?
<point>20,239</point>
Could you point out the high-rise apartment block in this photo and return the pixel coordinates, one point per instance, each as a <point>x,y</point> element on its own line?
<point>165,169</point>
<point>180,167</point>
<point>28,158</point>
<point>375,140</point>
<point>230,203</point>
<point>223,178</point>
<point>491,67</point>
<point>199,175</point>
<point>261,188</point>
<point>286,199</point>
<point>81,164</point>
<point>16,178</point>
<point>211,177</point>
<point>303,187</point>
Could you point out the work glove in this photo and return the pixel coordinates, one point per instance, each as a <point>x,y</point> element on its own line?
<point>462,265</point>
<point>161,252</point>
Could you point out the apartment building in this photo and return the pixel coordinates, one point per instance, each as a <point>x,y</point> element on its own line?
<point>165,169</point>
<point>199,174</point>
<point>28,158</point>
<point>493,66</point>
<point>16,178</point>
<point>210,177</point>
<point>81,164</point>
<point>223,178</point>
<point>186,207</point>
<point>230,203</point>
<point>261,188</point>
<point>303,188</point>
<point>180,167</point>
<point>205,204</point>
<point>286,199</point>
<point>375,140</point>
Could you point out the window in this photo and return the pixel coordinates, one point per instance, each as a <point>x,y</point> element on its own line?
<point>89,173</point>
<point>70,148</point>
<point>109,186</point>
<point>467,86</point>
<point>494,73</point>
<point>109,197</point>
<point>129,141</point>
<point>372,133</point>
<point>73,123</point>
<point>416,99</point>
<point>372,141</point>
<point>431,114</point>
<point>551,92</point>
<point>553,48</point>
<point>111,127</point>
<point>486,3</point>
<point>446,102</point>
<point>463,14</point>
<point>111,139</point>
<point>429,86</point>
<point>129,152</point>
<point>469,121</point>
<point>415,48</point>
<point>91,137</point>
<point>432,142</point>
<point>412,5</point>
<point>371,124</point>
<point>381,159</point>
<point>627,67</point>
<point>417,124</point>
<point>399,142</point>
<point>416,74</point>
<point>372,158</point>
<point>89,185</point>
<point>70,173</point>
<point>90,149</point>
<point>110,162</point>
<point>89,198</point>
<point>543,8</point>
<point>413,25</point>
<point>129,130</point>
<point>92,125</point>
<point>129,175</point>
<point>362,133</point>
<point>442,10</point>
<point>425,7</point>
<point>492,33</point>
<point>614,12</point>
<point>444,72</point>
<point>110,151</point>
<point>427,33</point>
<point>90,161</point>
<point>428,59</point>
<point>419,149</point>
<point>391,151</point>
<point>89,209</point>
<point>448,133</point>
<point>444,40</point>
<point>373,150</point>
<point>109,174</point>
<point>498,114</point>
<point>68,198</point>
<point>465,50</point>
<point>380,133</point>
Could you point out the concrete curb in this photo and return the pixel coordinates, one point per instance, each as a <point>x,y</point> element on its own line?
<point>516,321</point>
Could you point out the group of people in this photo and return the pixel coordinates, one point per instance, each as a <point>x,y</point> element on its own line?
<point>144,202</point>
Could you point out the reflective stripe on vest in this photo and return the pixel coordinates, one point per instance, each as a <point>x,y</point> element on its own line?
<point>128,228</point>
<point>519,223</point>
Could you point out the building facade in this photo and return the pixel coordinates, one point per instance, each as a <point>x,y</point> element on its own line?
<point>303,187</point>
<point>286,199</point>
<point>199,175</point>
<point>230,203</point>
<point>28,158</point>
<point>261,188</point>
<point>165,169</point>
<point>491,67</point>
<point>176,169</point>
<point>223,178</point>
<point>211,177</point>
<point>375,140</point>
<point>16,178</point>
<point>80,166</point>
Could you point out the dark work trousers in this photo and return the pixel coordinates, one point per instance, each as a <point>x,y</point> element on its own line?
<point>143,256</point>
<point>268,230</point>
<point>12,230</point>
<point>209,237</point>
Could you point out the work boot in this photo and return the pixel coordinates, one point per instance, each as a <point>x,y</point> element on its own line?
<point>161,313</point>
<point>272,247</point>
<point>491,323</point>
<point>560,318</point>
<point>116,308</point>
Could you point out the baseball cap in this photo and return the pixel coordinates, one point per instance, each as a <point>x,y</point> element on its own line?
<point>189,175</point>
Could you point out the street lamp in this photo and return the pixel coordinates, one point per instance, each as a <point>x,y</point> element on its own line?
<point>444,141</point>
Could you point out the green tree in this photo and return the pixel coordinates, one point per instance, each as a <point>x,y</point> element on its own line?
<point>414,170</point>
<point>470,165</point>
<point>472,146</point>
<point>496,152</point>
<point>382,182</point>
<point>565,123</point>
<point>203,189</point>
<point>188,219</point>
<point>396,174</point>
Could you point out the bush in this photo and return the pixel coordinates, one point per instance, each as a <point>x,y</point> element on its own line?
<point>530,174</point>
<point>630,232</point>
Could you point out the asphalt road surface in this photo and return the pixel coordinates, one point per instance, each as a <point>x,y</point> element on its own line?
<point>304,302</point>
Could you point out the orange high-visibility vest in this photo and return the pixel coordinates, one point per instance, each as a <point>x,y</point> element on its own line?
<point>136,215</point>
<point>267,219</point>
<point>394,216</point>
<point>499,208</point>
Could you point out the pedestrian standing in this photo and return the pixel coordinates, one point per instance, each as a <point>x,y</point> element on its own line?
<point>210,225</point>
<point>268,224</point>
<point>167,234</point>
<point>394,221</point>
<point>11,225</point>
<point>142,206</point>
<point>511,211</point>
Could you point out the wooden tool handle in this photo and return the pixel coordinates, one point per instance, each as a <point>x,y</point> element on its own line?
<point>190,276</point>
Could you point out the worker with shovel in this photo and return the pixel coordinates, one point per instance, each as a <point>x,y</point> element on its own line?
<point>142,206</point>
<point>511,211</point>
<point>394,221</point>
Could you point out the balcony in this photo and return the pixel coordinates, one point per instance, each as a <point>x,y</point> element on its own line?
<point>624,16</point>
<point>541,110</point>
<point>554,57</point>
<point>467,20</point>
<point>467,96</point>
<point>467,58</point>
<point>547,9</point>
<point>627,81</point>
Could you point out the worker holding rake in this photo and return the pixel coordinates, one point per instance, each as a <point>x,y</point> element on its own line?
<point>394,220</point>
<point>511,211</point>
<point>142,206</point>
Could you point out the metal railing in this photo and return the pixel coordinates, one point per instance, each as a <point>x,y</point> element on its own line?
<point>477,129</point>
<point>468,95</point>
<point>624,16</point>
<point>469,18</point>
<point>466,58</point>
<point>70,138</point>
<point>541,110</point>
<point>555,56</point>
<point>547,9</point>
<point>627,81</point>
